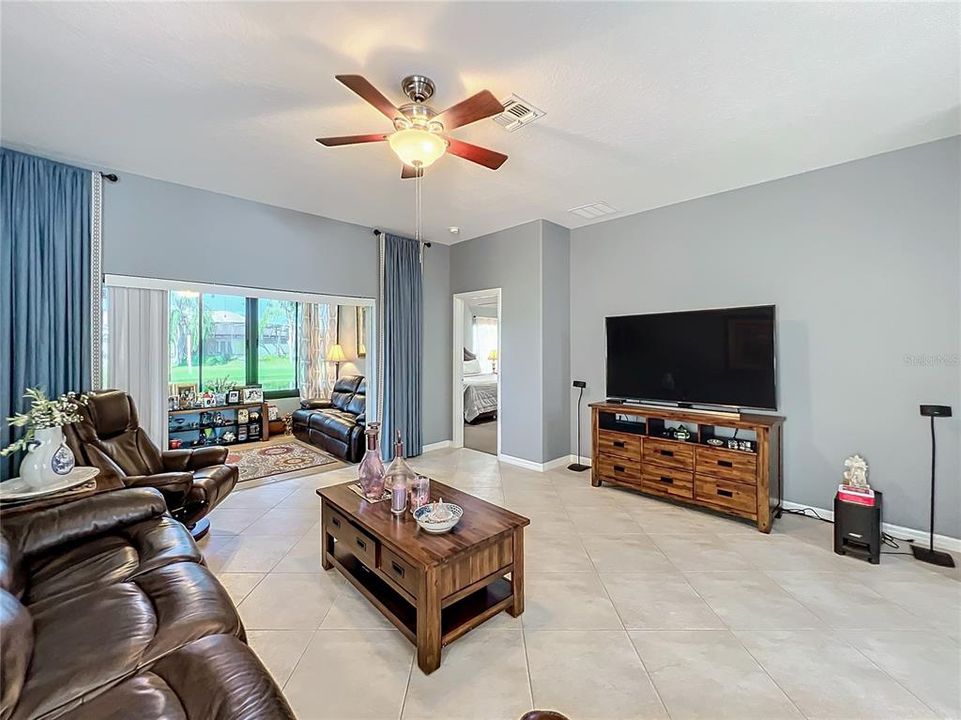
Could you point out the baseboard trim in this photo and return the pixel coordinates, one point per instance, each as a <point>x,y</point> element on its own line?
<point>430,447</point>
<point>582,460</point>
<point>943,542</point>
<point>554,464</point>
<point>560,462</point>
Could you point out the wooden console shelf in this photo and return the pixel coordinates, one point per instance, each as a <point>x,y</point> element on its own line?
<point>636,451</point>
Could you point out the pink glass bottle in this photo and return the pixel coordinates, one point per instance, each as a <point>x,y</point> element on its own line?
<point>370,474</point>
<point>419,492</point>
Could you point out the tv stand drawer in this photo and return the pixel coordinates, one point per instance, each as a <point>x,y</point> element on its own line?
<point>669,453</point>
<point>727,464</point>
<point>726,494</point>
<point>619,444</point>
<point>667,481</point>
<point>618,468</point>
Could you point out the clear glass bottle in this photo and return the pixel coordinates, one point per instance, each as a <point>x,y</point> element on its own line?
<point>370,474</point>
<point>399,478</point>
<point>419,492</point>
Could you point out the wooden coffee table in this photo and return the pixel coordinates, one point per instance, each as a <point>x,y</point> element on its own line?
<point>433,588</point>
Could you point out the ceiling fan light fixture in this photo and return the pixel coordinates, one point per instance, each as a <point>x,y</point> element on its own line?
<point>416,147</point>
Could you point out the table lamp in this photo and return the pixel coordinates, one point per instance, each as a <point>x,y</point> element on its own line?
<point>336,355</point>
<point>492,356</point>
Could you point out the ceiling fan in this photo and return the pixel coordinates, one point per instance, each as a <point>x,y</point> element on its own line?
<point>421,135</point>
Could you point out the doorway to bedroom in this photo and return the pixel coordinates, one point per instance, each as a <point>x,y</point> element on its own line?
<point>477,370</point>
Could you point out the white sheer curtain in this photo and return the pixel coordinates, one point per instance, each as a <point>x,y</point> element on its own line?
<point>318,333</point>
<point>485,340</point>
<point>136,342</point>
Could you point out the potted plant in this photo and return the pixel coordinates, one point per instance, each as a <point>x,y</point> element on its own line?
<point>220,388</point>
<point>48,457</point>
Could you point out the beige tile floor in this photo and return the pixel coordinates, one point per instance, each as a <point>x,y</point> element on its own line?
<point>635,609</point>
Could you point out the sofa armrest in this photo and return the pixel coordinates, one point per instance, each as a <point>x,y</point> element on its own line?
<point>316,403</point>
<point>362,419</point>
<point>174,486</point>
<point>188,459</point>
<point>37,532</point>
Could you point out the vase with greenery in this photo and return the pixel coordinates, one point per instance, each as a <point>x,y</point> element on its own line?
<point>48,457</point>
<point>220,387</point>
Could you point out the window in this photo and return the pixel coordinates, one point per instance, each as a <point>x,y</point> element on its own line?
<point>184,331</point>
<point>277,335</point>
<point>485,341</point>
<point>224,339</point>
<point>278,344</point>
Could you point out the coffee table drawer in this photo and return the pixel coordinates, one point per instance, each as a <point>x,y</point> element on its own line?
<point>669,453</point>
<point>725,493</point>
<point>399,570</point>
<point>356,541</point>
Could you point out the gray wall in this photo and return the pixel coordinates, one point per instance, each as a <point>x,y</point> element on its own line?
<point>556,337</point>
<point>510,260</point>
<point>164,230</point>
<point>862,260</point>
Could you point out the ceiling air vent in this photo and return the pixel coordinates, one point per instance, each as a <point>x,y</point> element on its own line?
<point>593,210</point>
<point>517,113</point>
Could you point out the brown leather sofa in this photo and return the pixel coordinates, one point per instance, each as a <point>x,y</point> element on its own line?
<point>336,424</point>
<point>107,611</point>
<point>193,481</point>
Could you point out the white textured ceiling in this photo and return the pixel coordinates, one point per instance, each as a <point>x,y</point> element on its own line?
<point>647,103</point>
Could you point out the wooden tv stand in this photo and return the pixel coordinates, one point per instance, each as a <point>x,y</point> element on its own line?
<point>640,455</point>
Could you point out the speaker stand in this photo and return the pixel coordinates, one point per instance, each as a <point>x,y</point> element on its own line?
<point>929,554</point>
<point>578,466</point>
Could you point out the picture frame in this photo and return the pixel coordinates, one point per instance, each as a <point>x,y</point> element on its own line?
<point>243,416</point>
<point>251,394</point>
<point>273,412</point>
<point>186,394</point>
<point>233,397</point>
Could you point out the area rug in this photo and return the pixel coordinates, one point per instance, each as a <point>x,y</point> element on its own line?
<point>277,458</point>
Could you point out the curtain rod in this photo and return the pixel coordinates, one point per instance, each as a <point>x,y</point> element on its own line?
<point>112,177</point>
<point>377,231</point>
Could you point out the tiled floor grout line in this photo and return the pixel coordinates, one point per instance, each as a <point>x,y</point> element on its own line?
<point>313,634</point>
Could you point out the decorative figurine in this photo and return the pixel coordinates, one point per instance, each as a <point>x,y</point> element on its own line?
<point>856,473</point>
<point>682,433</point>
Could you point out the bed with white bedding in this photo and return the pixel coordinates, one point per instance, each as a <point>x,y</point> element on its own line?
<point>480,395</point>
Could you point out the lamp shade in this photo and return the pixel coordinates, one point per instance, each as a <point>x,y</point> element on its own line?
<point>417,148</point>
<point>492,355</point>
<point>336,354</point>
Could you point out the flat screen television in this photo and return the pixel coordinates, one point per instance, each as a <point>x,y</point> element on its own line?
<point>724,357</point>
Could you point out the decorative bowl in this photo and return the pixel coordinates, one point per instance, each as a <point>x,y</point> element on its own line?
<point>427,517</point>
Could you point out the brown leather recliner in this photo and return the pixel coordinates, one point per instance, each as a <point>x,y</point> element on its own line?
<point>192,481</point>
<point>336,424</point>
<point>107,611</point>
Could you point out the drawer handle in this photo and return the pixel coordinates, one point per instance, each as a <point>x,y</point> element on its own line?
<point>360,543</point>
<point>725,463</point>
<point>396,568</point>
<point>618,468</point>
<point>618,443</point>
<point>725,493</point>
<point>669,481</point>
<point>335,521</point>
<point>667,453</point>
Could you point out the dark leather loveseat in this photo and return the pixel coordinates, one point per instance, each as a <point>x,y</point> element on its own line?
<point>107,611</point>
<point>336,424</point>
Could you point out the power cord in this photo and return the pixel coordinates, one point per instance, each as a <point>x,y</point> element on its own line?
<point>887,539</point>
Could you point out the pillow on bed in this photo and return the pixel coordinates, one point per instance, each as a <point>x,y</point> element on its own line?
<point>472,367</point>
<point>468,355</point>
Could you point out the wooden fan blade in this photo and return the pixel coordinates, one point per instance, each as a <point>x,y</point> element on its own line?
<point>359,84</point>
<point>474,153</point>
<point>477,107</point>
<point>351,139</point>
<point>407,172</point>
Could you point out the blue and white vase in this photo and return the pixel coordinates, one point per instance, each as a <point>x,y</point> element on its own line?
<point>48,458</point>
